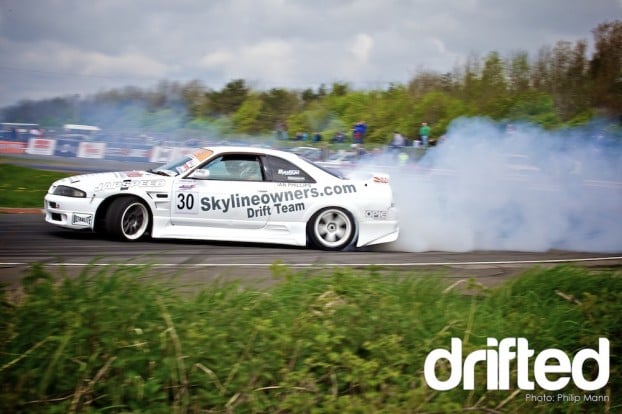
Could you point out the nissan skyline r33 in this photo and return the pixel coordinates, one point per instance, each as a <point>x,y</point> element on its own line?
<point>230,194</point>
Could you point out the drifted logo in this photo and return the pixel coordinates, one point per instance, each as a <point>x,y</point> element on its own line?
<point>498,359</point>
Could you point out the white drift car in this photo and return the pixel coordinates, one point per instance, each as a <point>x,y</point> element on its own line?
<point>230,194</point>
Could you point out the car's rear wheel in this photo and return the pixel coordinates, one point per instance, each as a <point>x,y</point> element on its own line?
<point>128,219</point>
<point>331,228</point>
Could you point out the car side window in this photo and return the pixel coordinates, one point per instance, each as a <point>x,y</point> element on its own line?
<point>235,167</point>
<point>283,171</point>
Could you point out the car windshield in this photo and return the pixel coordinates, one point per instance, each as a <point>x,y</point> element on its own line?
<point>183,164</point>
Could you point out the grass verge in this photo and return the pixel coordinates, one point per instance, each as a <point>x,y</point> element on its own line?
<point>25,187</point>
<point>346,342</point>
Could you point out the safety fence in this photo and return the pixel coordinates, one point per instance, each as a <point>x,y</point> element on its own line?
<point>94,150</point>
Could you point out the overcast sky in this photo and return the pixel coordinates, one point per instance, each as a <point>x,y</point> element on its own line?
<point>53,48</point>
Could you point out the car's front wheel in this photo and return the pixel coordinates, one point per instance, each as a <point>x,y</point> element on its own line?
<point>127,218</point>
<point>331,228</point>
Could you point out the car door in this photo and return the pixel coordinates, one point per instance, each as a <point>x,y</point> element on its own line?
<point>227,192</point>
<point>292,191</point>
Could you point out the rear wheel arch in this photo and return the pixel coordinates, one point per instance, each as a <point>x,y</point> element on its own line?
<point>332,228</point>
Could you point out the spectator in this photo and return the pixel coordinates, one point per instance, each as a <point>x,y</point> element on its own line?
<point>339,138</point>
<point>317,137</point>
<point>324,153</point>
<point>398,140</point>
<point>281,130</point>
<point>358,150</point>
<point>358,132</point>
<point>36,132</point>
<point>424,134</point>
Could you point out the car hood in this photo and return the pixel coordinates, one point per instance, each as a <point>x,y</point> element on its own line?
<point>111,181</point>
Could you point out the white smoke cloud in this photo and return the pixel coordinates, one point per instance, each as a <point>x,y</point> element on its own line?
<point>362,47</point>
<point>266,57</point>
<point>524,189</point>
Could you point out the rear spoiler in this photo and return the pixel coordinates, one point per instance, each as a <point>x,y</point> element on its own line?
<point>374,177</point>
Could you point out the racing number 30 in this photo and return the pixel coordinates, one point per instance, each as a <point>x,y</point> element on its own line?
<point>186,203</point>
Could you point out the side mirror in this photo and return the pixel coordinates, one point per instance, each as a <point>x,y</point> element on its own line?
<point>199,174</point>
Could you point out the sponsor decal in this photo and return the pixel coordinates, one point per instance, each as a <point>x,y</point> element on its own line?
<point>91,150</point>
<point>196,158</point>
<point>266,210</point>
<point>202,154</point>
<point>498,359</point>
<point>127,184</point>
<point>382,180</point>
<point>295,178</point>
<point>297,185</point>
<point>41,143</point>
<point>135,152</point>
<point>292,174</point>
<point>134,174</point>
<point>82,219</point>
<point>12,147</point>
<point>257,205</point>
<point>376,214</point>
<point>288,172</point>
<point>41,146</point>
<point>186,187</point>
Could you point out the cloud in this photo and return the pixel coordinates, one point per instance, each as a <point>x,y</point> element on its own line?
<point>273,42</point>
<point>127,64</point>
<point>266,59</point>
<point>439,45</point>
<point>216,59</point>
<point>362,46</point>
<point>50,56</point>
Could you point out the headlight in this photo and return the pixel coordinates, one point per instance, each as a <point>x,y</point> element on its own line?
<point>66,191</point>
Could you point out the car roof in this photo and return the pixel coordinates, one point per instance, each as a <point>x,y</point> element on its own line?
<point>217,149</point>
<point>290,156</point>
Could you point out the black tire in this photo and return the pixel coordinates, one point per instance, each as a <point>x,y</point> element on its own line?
<point>128,219</point>
<point>331,228</point>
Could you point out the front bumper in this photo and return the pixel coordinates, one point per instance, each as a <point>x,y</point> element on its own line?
<point>68,212</point>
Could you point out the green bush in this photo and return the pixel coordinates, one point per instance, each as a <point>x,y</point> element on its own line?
<point>335,342</point>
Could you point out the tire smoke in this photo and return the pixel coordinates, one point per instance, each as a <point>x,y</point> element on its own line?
<point>488,187</point>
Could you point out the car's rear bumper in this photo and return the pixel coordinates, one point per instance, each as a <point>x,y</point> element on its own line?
<point>378,228</point>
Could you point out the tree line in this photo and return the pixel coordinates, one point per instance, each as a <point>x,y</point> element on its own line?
<point>562,85</point>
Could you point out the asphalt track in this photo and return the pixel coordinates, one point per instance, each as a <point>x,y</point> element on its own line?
<point>25,239</point>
